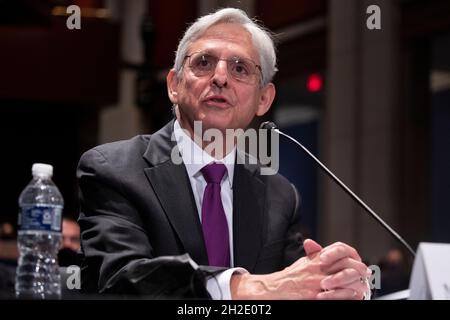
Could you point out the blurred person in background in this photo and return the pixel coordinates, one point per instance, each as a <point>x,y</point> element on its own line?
<point>395,272</point>
<point>70,243</point>
<point>70,234</point>
<point>8,259</point>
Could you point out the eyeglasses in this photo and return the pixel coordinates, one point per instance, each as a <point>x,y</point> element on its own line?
<point>242,69</point>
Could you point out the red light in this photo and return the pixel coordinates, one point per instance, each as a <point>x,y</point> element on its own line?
<point>314,82</point>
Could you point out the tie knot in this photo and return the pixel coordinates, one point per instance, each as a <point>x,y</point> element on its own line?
<point>214,172</point>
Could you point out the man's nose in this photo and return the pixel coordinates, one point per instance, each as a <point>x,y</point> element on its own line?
<point>220,76</point>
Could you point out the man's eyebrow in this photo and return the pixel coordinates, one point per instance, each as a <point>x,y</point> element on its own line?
<point>209,51</point>
<point>214,52</point>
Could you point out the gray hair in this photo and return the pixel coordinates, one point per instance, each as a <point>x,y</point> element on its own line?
<point>262,39</point>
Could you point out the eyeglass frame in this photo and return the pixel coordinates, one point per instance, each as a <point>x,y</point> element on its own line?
<point>235,58</point>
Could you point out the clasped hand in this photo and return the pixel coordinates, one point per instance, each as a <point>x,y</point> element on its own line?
<point>333,272</point>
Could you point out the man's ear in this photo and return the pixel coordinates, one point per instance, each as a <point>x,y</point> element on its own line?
<point>172,86</point>
<point>266,99</point>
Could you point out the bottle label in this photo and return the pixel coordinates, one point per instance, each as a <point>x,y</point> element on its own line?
<point>40,218</point>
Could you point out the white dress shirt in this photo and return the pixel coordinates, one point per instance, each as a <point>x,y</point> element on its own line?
<point>194,159</point>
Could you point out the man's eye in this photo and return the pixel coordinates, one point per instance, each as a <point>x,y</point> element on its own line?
<point>241,68</point>
<point>203,62</point>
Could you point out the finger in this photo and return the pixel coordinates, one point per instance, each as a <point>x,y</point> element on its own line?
<point>337,251</point>
<point>340,294</point>
<point>340,279</point>
<point>347,263</point>
<point>311,246</point>
<point>361,286</point>
<point>341,250</point>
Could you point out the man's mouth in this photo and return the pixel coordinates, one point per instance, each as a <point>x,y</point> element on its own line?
<point>217,101</point>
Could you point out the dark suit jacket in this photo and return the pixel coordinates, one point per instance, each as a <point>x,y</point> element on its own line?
<point>138,217</point>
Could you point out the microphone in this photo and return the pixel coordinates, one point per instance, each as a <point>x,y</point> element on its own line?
<point>272,126</point>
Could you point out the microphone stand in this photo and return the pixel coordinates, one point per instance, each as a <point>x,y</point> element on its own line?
<point>272,126</point>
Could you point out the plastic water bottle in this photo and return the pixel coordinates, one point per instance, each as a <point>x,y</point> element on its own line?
<point>39,237</point>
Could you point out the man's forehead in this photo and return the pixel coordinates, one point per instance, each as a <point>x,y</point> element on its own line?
<point>230,36</point>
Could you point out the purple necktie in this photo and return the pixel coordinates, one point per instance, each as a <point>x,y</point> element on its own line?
<point>214,222</point>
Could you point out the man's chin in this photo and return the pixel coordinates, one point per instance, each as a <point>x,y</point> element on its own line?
<point>220,122</point>
<point>216,122</point>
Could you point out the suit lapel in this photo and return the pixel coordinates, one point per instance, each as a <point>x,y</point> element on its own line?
<point>248,215</point>
<point>170,183</point>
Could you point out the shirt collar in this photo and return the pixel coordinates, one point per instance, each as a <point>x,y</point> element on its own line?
<point>195,158</point>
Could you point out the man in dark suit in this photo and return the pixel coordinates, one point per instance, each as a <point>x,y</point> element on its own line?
<point>209,225</point>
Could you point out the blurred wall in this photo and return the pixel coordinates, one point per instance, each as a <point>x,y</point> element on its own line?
<point>359,131</point>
